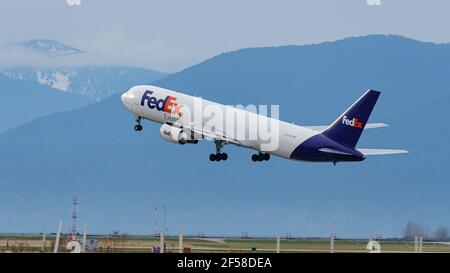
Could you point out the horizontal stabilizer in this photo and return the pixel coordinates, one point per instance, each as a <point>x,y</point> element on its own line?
<point>375,125</point>
<point>368,126</point>
<point>332,151</point>
<point>382,151</point>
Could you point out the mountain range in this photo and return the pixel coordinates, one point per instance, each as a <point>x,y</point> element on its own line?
<point>93,82</point>
<point>119,175</point>
<point>64,86</point>
<point>22,101</point>
<point>46,47</point>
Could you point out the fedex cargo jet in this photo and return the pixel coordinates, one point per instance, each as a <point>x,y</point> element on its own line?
<point>187,119</point>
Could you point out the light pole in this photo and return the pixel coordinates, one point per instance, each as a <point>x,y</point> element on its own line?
<point>165,229</point>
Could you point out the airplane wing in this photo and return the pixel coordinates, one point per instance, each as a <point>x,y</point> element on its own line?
<point>382,151</point>
<point>216,135</point>
<point>213,134</point>
<point>368,126</point>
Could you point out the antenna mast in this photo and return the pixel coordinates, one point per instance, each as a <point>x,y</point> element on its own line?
<point>73,232</point>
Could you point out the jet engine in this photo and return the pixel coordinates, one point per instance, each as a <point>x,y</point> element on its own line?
<point>177,135</point>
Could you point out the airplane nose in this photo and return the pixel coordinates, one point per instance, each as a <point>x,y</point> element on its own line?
<point>126,98</point>
<point>123,98</point>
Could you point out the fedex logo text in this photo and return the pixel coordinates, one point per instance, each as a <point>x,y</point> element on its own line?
<point>354,122</point>
<point>167,104</point>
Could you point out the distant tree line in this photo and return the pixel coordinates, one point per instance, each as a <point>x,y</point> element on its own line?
<point>413,229</point>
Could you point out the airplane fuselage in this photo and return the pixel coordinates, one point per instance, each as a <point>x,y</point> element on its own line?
<point>178,110</point>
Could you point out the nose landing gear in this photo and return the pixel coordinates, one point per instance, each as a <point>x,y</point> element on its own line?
<point>138,126</point>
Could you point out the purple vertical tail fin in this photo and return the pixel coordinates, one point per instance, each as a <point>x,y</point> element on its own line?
<point>348,127</point>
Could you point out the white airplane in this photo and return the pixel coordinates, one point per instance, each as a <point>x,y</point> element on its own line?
<point>180,124</point>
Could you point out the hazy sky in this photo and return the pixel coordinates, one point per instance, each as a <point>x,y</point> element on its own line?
<point>170,35</point>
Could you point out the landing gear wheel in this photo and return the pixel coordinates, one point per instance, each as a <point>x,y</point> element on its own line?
<point>212,157</point>
<point>260,157</point>
<point>224,156</point>
<point>266,157</point>
<point>254,157</point>
<point>218,156</point>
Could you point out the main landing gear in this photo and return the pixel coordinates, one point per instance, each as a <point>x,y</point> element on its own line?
<point>260,157</point>
<point>138,126</point>
<point>218,155</point>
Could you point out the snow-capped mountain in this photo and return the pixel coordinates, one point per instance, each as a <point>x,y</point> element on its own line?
<point>41,77</point>
<point>94,82</point>
<point>47,47</point>
<point>65,68</point>
<point>23,101</point>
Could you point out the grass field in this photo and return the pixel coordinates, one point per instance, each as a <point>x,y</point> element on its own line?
<point>34,243</point>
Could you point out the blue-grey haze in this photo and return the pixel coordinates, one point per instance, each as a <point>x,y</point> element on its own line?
<point>168,35</point>
<point>119,175</point>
